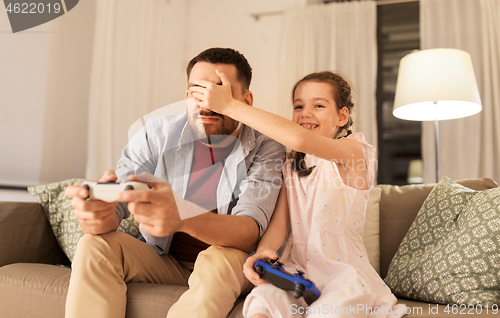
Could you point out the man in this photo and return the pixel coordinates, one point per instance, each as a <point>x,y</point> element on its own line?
<point>228,169</point>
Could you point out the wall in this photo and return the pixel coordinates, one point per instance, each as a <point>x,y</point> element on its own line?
<point>45,74</point>
<point>24,67</point>
<point>43,98</point>
<point>65,134</point>
<point>230,24</point>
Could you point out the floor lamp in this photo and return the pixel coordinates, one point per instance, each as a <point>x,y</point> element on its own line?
<point>436,84</point>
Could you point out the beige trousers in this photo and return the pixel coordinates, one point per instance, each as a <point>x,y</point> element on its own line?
<point>103,264</point>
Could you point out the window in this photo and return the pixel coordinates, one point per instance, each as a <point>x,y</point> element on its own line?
<point>398,34</point>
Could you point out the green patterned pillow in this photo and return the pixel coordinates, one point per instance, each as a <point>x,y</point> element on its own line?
<point>451,253</point>
<point>57,207</point>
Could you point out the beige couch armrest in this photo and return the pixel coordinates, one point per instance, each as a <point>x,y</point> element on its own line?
<point>26,236</point>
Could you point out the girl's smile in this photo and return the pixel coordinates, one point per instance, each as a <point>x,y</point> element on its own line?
<point>309,126</point>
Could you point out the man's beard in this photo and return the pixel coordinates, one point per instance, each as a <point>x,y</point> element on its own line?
<point>213,133</point>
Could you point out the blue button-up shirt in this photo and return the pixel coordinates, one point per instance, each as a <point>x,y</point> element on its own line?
<point>252,175</point>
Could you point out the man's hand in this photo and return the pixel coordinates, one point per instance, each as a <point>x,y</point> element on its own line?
<point>248,270</point>
<point>212,96</point>
<point>94,216</point>
<point>155,209</point>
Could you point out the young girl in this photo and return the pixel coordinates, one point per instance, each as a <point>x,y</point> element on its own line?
<point>322,202</point>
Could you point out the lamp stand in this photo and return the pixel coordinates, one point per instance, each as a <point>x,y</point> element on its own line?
<point>436,134</point>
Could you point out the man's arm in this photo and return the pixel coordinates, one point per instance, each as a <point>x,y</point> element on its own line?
<point>157,211</point>
<point>262,184</point>
<point>240,232</point>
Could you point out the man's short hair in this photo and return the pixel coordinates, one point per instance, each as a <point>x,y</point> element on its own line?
<point>225,56</point>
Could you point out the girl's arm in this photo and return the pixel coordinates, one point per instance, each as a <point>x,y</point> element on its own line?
<point>272,239</point>
<point>219,99</point>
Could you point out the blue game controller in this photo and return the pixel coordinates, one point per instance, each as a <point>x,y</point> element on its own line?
<point>276,275</point>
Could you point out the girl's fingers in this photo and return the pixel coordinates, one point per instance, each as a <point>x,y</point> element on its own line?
<point>267,255</point>
<point>225,81</point>
<point>197,90</point>
<point>201,83</point>
<point>199,97</point>
<point>254,275</point>
<point>254,278</point>
<point>250,273</point>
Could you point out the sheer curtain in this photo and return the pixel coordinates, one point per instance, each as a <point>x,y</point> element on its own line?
<point>134,57</point>
<point>468,147</point>
<point>339,37</point>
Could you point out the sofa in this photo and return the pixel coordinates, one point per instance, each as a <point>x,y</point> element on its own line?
<point>34,271</point>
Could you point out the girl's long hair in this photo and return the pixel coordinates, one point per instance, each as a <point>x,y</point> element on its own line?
<point>342,96</point>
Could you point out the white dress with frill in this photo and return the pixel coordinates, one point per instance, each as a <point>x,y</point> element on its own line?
<point>325,242</point>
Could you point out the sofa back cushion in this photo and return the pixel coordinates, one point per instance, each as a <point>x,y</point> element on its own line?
<point>371,230</point>
<point>399,206</point>
<point>57,207</point>
<point>26,235</point>
<point>451,253</point>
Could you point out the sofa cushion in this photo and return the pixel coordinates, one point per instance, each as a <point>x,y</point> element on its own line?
<point>152,299</point>
<point>451,253</point>
<point>39,290</point>
<point>33,290</point>
<point>398,207</point>
<point>371,230</point>
<point>57,207</point>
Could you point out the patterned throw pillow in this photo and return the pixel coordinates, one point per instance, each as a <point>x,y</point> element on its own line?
<point>57,207</point>
<point>451,253</point>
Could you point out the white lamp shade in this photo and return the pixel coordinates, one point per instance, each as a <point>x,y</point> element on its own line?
<point>436,84</point>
